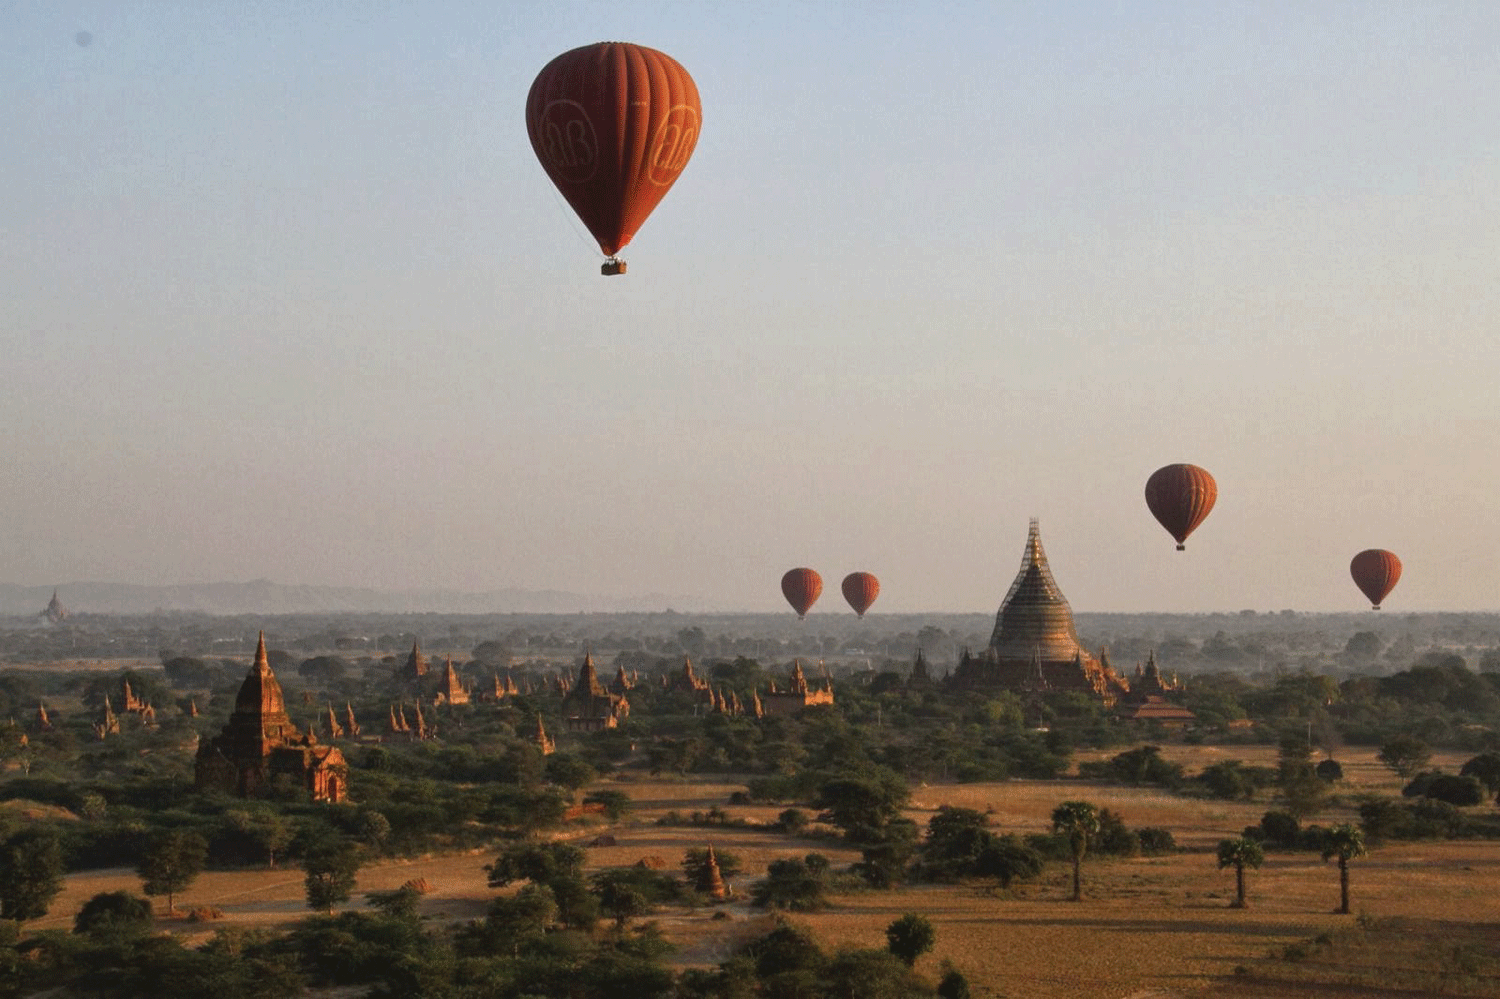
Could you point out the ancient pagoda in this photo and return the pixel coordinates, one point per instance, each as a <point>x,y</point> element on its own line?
<point>415,667</point>
<point>588,706</point>
<point>260,746</point>
<point>55,612</point>
<point>451,690</point>
<point>797,695</point>
<point>1035,646</point>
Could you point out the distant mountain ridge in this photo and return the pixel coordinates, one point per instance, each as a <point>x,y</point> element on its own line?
<point>262,596</point>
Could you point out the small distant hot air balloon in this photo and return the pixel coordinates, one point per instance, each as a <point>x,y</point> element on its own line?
<point>1376,572</point>
<point>613,125</point>
<point>801,587</point>
<point>860,589</point>
<point>1179,497</point>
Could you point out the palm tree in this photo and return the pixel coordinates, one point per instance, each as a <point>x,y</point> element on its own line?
<point>1347,843</point>
<point>1079,822</point>
<point>1240,854</point>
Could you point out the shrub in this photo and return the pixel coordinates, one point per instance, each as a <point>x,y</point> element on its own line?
<point>114,913</point>
<point>1280,828</point>
<point>1156,841</point>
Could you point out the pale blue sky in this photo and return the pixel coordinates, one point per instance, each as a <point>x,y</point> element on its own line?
<point>287,295</point>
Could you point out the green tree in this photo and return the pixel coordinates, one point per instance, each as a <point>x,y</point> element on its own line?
<point>171,861</point>
<point>267,828</point>
<point>114,914</point>
<point>1407,755</point>
<point>1297,777</point>
<point>621,900</point>
<point>956,838</point>
<point>910,937</point>
<point>1079,822</point>
<point>795,885</point>
<point>1484,768</point>
<point>616,803</point>
<point>859,804</point>
<point>539,863</point>
<point>1006,858</point>
<point>1455,790</point>
<point>331,871</point>
<point>953,984</point>
<point>1347,843</point>
<point>870,974</point>
<point>886,852</point>
<point>1240,854</point>
<point>31,873</point>
<point>569,772</point>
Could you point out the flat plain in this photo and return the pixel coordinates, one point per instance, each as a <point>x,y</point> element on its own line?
<point>1426,918</point>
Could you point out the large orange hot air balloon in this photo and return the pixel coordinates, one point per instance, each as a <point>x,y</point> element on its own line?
<point>801,587</point>
<point>613,125</point>
<point>861,589</point>
<point>1180,496</point>
<point>1376,572</point>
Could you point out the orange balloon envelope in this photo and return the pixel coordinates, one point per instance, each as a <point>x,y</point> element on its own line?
<point>801,587</point>
<point>613,125</point>
<point>1179,497</point>
<point>1376,572</point>
<point>861,589</point>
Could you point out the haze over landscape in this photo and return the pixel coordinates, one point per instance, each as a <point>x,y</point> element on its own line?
<point>290,298</point>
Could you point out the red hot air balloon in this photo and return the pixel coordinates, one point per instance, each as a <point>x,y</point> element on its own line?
<point>1180,496</point>
<point>801,587</point>
<point>861,589</point>
<point>1376,572</point>
<point>613,125</point>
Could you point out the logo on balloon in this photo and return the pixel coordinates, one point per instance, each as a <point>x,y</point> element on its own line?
<point>567,142</point>
<point>672,144</point>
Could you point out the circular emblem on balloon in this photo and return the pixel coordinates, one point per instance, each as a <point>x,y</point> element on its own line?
<point>566,142</point>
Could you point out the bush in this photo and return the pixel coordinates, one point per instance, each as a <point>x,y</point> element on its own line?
<point>795,885</point>
<point>1330,771</point>
<point>1460,791</point>
<point>1135,767</point>
<point>1280,829</point>
<point>1156,841</point>
<point>1114,838</point>
<point>114,913</point>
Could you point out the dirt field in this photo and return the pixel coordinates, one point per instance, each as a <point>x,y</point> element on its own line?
<point>1149,927</point>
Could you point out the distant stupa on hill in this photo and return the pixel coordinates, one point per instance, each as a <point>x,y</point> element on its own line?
<point>1035,646</point>
<point>55,612</point>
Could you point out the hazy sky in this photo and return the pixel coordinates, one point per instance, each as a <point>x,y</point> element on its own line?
<point>286,294</point>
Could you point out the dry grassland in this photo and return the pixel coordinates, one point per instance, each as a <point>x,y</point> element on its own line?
<point>1150,927</point>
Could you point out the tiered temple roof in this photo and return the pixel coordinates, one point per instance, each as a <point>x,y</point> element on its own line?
<point>415,666</point>
<point>55,612</point>
<point>798,695</point>
<point>588,706</point>
<point>260,744</point>
<point>1035,645</point>
<point>452,689</point>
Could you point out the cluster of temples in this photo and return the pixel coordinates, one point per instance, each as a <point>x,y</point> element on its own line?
<point>1034,649</point>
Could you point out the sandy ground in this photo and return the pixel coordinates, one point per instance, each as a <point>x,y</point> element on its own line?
<point>1149,927</point>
